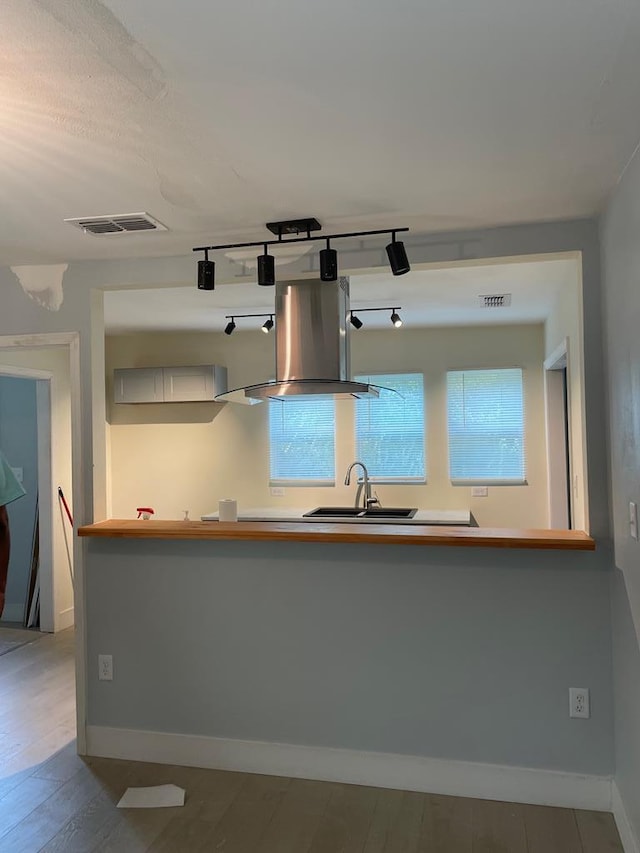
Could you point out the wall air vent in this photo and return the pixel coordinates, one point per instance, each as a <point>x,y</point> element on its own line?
<point>121,223</point>
<point>495,300</point>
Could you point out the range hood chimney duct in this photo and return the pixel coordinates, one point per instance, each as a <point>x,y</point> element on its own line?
<point>312,344</point>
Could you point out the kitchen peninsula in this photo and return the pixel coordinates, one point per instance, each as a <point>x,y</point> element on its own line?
<point>343,651</point>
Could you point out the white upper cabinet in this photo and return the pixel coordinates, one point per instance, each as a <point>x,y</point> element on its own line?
<point>169,384</point>
<point>140,385</point>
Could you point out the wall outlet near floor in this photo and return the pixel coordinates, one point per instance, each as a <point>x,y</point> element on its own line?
<point>479,491</point>
<point>579,702</point>
<point>633,520</point>
<point>277,491</point>
<point>105,667</point>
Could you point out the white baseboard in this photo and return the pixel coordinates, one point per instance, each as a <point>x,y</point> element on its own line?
<point>376,769</point>
<point>13,613</point>
<point>627,835</point>
<point>65,619</point>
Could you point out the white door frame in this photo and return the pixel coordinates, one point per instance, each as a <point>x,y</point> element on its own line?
<point>70,341</point>
<point>558,441</point>
<point>42,379</point>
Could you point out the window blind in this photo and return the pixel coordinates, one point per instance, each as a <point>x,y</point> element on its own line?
<point>390,429</point>
<point>302,441</point>
<point>486,426</point>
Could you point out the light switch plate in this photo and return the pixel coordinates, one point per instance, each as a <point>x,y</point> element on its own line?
<point>633,520</point>
<point>277,491</point>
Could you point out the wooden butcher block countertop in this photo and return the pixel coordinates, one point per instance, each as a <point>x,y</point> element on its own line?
<point>383,534</point>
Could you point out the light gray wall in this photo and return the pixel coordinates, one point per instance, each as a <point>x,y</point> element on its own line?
<point>501,655</point>
<point>19,443</point>
<point>626,682</point>
<point>621,303</point>
<point>460,654</point>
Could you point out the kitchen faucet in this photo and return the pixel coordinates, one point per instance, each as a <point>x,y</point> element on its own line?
<point>369,499</point>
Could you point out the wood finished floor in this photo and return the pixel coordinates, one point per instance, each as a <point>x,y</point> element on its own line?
<point>54,802</point>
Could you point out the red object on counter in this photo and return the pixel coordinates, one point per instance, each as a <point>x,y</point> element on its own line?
<point>142,509</point>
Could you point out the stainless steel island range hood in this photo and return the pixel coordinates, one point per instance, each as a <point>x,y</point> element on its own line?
<point>312,345</point>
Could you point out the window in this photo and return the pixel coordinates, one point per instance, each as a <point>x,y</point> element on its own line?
<point>390,429</point>
<point>302,441</point>
<point>486,426</point>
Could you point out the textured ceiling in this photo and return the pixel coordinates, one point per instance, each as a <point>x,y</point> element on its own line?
<point>217,117</point>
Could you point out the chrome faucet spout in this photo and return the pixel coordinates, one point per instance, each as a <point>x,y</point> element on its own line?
<point>369,500</point>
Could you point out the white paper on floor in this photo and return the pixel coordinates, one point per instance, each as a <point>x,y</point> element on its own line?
<point>156,797</point>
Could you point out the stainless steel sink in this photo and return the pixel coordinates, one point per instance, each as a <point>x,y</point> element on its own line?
<point>357,512</point>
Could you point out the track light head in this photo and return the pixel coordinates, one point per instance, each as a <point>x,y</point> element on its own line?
<point>228,329</point>
<point>396,319</point>
<point>206,274</point>
<point>355,321</point>
<point>267,325</point>
<point>266,269</point>
<point>397,255</point>
<point>328,264</point>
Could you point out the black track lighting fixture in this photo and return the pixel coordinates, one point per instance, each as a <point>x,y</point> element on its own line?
<point>266,269</point>
<point>328,263</point>
<point>357,323</point>
<point>328,256</point>
<point>206,273</point>
<point>397,256</point>
<point>231,325</point>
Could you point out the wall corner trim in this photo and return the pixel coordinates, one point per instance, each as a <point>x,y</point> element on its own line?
<point>376,769</point>
<point>628,837</point>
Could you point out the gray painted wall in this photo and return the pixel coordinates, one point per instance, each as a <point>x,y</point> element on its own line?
<point>459,654</point>
<point>393,650</point>
<point>626,681</point>
<point>19,443</point>
<point>621,303</point>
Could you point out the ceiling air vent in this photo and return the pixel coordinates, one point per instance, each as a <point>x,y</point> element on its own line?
<point>121,223</point>
<point>495,300</point>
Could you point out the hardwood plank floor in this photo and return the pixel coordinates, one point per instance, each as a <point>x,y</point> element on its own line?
<point>551,829</point>
<point>52,801</point>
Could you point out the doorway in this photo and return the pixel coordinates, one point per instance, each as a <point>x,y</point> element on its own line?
<point>25,436</point>
<point>558,431</point>
<point>40,586</point>
<point>44,353</point>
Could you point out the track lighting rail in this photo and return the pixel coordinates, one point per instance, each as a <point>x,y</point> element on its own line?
<point>307,239</point>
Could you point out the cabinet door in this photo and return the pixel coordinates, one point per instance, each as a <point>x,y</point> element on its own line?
<point>188,384</point>
<point>138,385</point>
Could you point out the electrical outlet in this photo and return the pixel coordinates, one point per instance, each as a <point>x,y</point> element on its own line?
<point>105,667</point>
<point>579,702</point>
<point>633,520</point>
<point>277,492</point>
<point>479,491</point>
